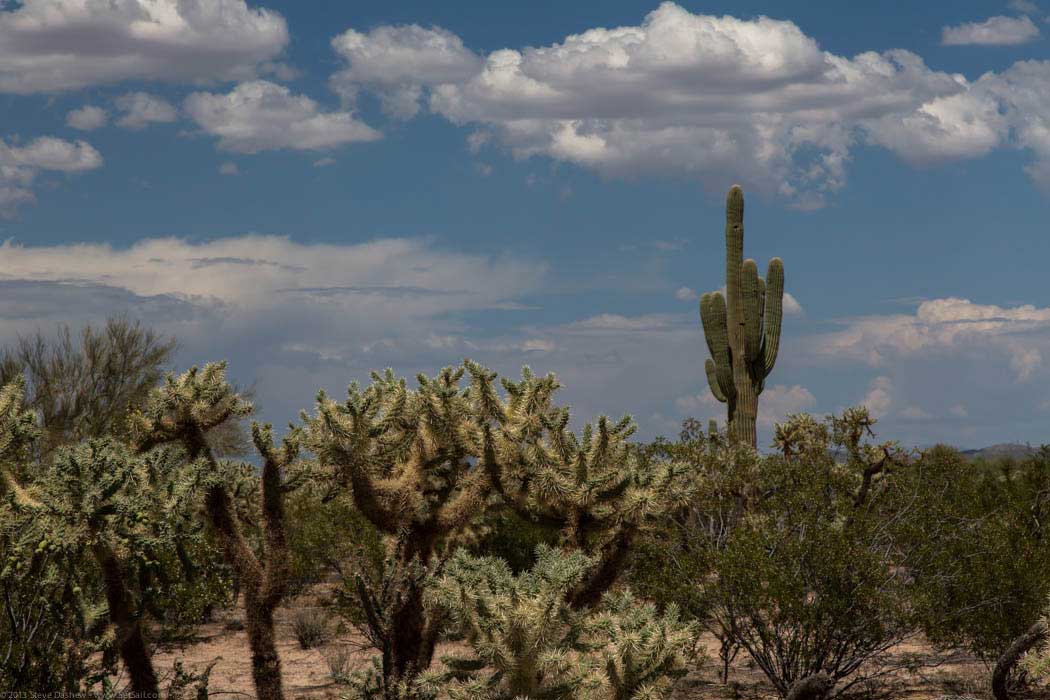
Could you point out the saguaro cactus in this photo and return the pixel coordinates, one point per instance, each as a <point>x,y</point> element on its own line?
<point>742,329</point>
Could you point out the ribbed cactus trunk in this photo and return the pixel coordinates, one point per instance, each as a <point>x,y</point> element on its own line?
<point>742,329</point>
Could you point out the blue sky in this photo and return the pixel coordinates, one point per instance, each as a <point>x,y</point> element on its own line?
<point>316,190</point>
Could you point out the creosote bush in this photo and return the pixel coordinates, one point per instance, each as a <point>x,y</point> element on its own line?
<point>809,582</point>
<point>978,552</point>
<point>310,627</point>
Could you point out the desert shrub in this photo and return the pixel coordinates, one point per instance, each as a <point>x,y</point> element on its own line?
<point>978,552</point>
<point>677,562</point>
<point>979,548</point>
<point>324,535</point>
<point>310,627</point>
<point>340,662</point>
<point>51,633</point>
<point>514,539</point>
<point>83,387</point>
<point>182,602</point>
<point>809,583</point>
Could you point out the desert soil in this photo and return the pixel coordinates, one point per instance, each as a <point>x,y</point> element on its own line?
<point>307,672</point>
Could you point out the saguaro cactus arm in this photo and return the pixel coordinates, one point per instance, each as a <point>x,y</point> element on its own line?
<point>712,380</point>
<point>774,313</point>
<point>734,260</point>
<point>753,303</point>
<point>713,315</point>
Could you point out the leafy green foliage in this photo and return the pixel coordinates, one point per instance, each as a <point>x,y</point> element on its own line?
<point>808,581</point>
<point>49,630</point>
<point>326,536</point>
<point>514,539</point>
<point>85,388</point>
<point>979,548</point>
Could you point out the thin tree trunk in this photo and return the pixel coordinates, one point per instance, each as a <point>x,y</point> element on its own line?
<point>1035,634</point>
<point>590,591</point>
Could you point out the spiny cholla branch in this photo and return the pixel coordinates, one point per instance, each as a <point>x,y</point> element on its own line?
<point>182,411</point>
<point>529,642</point>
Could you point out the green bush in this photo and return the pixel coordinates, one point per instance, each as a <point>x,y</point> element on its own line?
<point>979,547</point>
<point>323,535</point>
<point>514,539</point>
<point>808,582</point>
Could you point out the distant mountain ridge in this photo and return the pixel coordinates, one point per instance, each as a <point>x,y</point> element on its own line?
<point>1004,449</point>
<point>998,451</point>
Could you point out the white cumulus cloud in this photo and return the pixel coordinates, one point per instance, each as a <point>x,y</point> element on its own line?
<point>140,109</point>
<point>261,115</point>
<point>994,31</point>
<point>689,94</point>
<point>87,118</point>
<point>53,45</point>
<point>879,398</point>
<point>713,98</point>
<point>397,61</point>
<point>21,164</point>
<point>944,326</point>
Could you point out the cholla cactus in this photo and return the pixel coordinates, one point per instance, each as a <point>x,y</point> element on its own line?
<point>530,643</point>
<point>1033,643</point>
<point>743,328</point>
<point>17,430</point>
<point>52,630</point>
<point>126,512</point>
<point>520,627</point>
<point>92,498</point>
<point>183,411</point>
<point>646,653</point>
<point>407,456</point>
<point>596,489</point>
<point>412,457</point>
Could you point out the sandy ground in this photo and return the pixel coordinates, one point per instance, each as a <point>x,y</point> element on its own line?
<point>307,673</point>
